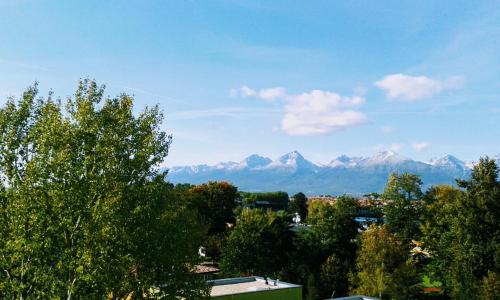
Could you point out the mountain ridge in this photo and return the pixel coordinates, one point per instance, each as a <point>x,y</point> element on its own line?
<point>292,172</point>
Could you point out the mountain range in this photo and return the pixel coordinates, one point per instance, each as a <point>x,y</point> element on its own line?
<point>343,175</point>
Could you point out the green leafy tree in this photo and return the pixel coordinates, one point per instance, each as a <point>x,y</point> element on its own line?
<point>84,211</point>
<point>215,202</point>
<point>384,268</point>
<point>329,246</point>
<point>438,220</point>
<point>258,244</point>
<point>299,205</point>
<point>277,200</point>
<point>403,194</point>
<point>474,256</point>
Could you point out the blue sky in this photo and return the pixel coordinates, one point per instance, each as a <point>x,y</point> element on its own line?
<point>240,77</point>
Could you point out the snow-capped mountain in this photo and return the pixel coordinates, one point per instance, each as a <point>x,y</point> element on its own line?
<point>450,162</point>
<point>344,161</point>
<point>255,161</point>
<point>293,173</point>
<point>384,158</point>
<point>293,160</point>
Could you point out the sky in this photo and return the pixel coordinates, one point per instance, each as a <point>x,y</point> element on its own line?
<point>235,78</point>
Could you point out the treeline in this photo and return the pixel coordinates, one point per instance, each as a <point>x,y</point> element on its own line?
<point>86,213</point>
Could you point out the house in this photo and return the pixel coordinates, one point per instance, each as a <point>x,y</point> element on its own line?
<point>248,288</point>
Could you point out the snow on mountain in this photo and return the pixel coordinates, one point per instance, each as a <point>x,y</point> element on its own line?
<point>344,161</point>
<point>384,158</point>
<point>294,173</point>
<point>450,162</point>
<point>292,160</point>
<point>255,161</point>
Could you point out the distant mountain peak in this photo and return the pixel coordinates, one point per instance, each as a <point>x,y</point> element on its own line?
<point>344,161</point>
<point>291,157</point>
<point>256,161</point>
<point>449,161</point>
<point>385,157</point>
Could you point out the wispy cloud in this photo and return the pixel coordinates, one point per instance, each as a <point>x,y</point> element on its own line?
<point>420,146</point>
<point>312,113</point>
<point>269,94</point>
<point>232,112</point>
<point>412,88</point>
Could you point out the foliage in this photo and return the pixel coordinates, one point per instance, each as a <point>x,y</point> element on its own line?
<point>278,200</point>
<point>214,202</point>
<point>438,220</point>
<point>403,194</point>
<point>384,268</point>
<point>84,211</point>
<point>490,286</point>
<point>472,219</point>
<point>258,244</point>
<point>328,246</point>
<point>298,204</point>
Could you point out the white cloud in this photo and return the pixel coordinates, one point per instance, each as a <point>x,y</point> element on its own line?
<point>247,92</point>
<point>314,113</point>
<point>411,88</point>
<point>320,112</point>
<point>271,94</point>
<point>420,146</point>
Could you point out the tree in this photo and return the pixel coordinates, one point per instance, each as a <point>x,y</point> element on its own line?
<point>299,205</point>
<point>403,194</point>
<point>258,244</point>
<point>214,202</point>
<point>475,259</point>
<point>84,211</point>
<point>438,218</point>
<point>277,200</point>
<point>384,268</point>
<point>330,245</point>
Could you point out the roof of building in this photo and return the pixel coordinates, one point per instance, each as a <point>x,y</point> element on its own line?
<point>240,285</point>
<point>205,269</point>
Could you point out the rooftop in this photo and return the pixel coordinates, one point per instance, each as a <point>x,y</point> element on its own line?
<point>240,285</point>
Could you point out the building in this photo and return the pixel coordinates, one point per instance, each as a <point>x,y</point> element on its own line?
<point>206,270</point>
<point>249,288</point>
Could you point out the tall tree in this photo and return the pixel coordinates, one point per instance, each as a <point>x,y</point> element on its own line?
<point>438,220</point>
<point>475,224</point>
<point>215,202</point>
<point>403,194</point>
<point>330,244</point>
<point>299,205</point>
<point>258,244</point>
<point>84,211</point>
<point>384,268</point>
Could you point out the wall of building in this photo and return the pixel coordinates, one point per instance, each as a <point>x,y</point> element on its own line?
<point>278,294</point>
